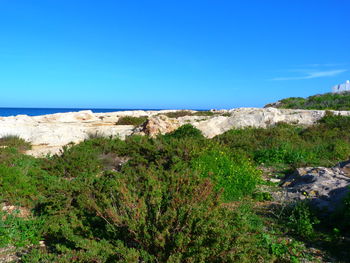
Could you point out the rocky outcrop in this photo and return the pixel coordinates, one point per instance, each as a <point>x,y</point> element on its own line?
<point>324,187</point>
<point>48,133</point>
<point>160,124</point>
<point>261,118</point>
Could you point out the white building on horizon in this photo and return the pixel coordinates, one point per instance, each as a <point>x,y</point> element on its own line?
<point>341,87</point>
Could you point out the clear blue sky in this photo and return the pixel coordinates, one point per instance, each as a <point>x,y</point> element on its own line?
<point>170,54</point>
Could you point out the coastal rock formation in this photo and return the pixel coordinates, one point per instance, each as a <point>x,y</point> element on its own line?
<point>260,118</point>
<point>160,124</point>
<point>324,187</point>
<point>48,133</point>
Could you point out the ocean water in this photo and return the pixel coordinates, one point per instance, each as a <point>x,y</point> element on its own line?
<point>5,112</point>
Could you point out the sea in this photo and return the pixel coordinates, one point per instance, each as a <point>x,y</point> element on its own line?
<point>5,112</point>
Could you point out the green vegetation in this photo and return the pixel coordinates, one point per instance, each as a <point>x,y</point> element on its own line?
<point>129,120</point>
<point>176,198</point>
<point>183,113</point>
<point>14,141</point>
<point>19,232</point>
<point>289,146</point>
<point>327,101</point>
<point>233,174</point>
<point>301,220</point>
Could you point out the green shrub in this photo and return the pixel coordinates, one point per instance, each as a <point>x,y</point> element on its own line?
<point>234,174</point>
<point>332,121</point>
<point>203,113</point>
<point>164,216</point>
<point>74,161</point>
<point>183,113</point>
<point>16,142</point>
<point>129,120</point>
<point>327,101</point>
<point>178,114</point>
<point>185,131</point>
<point>21,178</point>
<point>284,154</point>
<point>15,185</point>
<point>19,232</point>
<point>301,220</point>
<point>283,145</point>
<point>145,214</point>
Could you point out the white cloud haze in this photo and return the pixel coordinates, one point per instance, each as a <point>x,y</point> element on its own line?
<point>314,74</point>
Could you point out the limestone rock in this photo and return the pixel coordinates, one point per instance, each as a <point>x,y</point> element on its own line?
<point>48,133</point>
<point>160,124</point>
<point>324,187</point>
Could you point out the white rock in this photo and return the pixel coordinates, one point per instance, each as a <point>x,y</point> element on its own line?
<point>48,133</point>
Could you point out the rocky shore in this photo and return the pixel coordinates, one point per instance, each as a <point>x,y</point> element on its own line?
<point>48,133</point>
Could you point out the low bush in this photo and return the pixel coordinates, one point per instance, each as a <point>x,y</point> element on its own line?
<point>178,114</point>
<point>129,120</point>
<point>332,121</point>
<point>322,144</point>
<point>203,113</point>
<point>327,101</point>
<point>233,173</point>
<point>21,178</point>
<point>183,113</point>
<point>16,142</point>
<point>74,161</point>
<point>145,214</point>
<point>19,232</point>
<point>283,154</point>
<point>185,131</point>
<point>301,220</point>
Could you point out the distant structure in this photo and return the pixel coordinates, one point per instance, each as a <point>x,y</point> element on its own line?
<point>341,87</point>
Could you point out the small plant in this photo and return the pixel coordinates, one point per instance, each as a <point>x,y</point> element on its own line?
<point>301,220</point>
<point>262,196</point>
<point>287,250</point>
<point>129,120</point>
<point>95,135</point>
